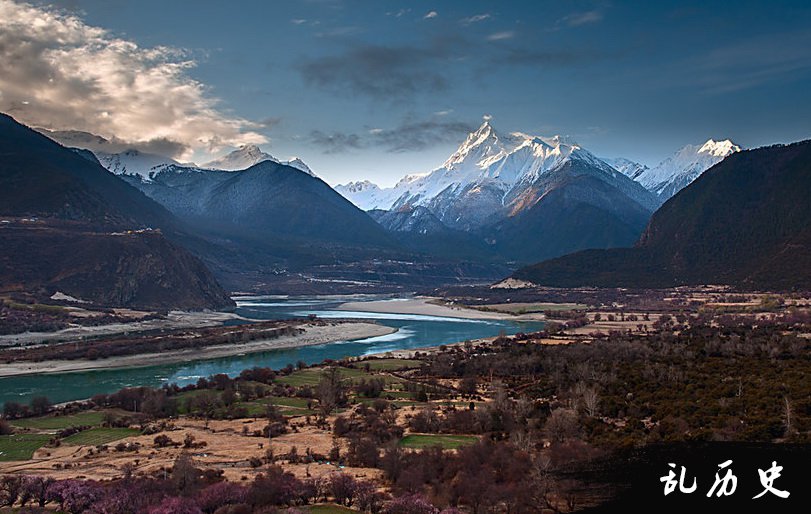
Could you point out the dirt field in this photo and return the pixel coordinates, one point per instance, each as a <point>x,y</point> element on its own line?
<point>226,448</point>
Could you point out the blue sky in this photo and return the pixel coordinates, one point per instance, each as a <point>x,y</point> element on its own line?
<point>378,89</point>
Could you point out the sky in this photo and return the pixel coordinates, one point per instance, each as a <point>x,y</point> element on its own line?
<point>379,89</point>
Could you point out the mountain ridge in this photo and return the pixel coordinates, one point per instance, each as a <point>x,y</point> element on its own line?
<point>744,222</point>
<point>73,226</point>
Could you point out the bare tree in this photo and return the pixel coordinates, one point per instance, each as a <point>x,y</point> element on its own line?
<point>788,416</point>
<point>330,391</point>
<point>589,397</point>
<point>591,401</point>
<point>561,424</point>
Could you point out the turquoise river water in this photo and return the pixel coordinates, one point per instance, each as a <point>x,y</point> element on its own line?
<point>413,331</point>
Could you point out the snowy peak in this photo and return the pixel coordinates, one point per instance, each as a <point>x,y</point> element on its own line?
<point>242,158</point>
<point>719,148</point>
<point>359,187</point>
<point>481,146</point>
<point>365,195</point>
<point>297,163</point>
<point>680,169</point>
<point>487,163</point>
<point>627,167</point>
<point>133,162</point>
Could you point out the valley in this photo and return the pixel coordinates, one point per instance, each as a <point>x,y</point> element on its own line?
<point>357,257</point>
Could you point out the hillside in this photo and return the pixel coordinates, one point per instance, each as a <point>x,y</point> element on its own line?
<point>70,225</point>
<point>745,222</point>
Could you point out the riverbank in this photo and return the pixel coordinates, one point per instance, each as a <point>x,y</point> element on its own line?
<point>174,320</point>
<point>429,306</point>
<point>314,334</point>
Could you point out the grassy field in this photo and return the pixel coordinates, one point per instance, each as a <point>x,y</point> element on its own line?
<point>20,446</point>
<point>390,364</point>
<point>287,406</point>
<point>311,377</point>
<point>91,418</point>
<point>449,442</point>
<point>97,436</point>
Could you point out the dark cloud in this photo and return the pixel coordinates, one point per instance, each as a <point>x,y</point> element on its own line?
<point>79,139</point>
<point>408,136</point>
<point>335,142</point>
<point>381,72</point>
<point>418,135</point>
<point>269,122</point>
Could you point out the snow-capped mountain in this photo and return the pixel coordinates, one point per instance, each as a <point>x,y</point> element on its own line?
<point>489,176</point>
<point>114,154</point>
<point>679,170</point>
<point>524,197</point>
<point>249,155</point>
<point>627,167</point>
<point>297,163</point>
<point>133,162</point>
<point>366,195</point>
<point>242,158</point>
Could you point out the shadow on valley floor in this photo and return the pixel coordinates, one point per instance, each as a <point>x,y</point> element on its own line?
<point>632,478</point>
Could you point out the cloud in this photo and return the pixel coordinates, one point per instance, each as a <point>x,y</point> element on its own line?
<point>582,18</point>
<point>418,135</point>
<point>381,72</point>
<point>335,142</point>
<point>89,141</point>
<point>499,36</point>
<point>430,14</point>
<point>399,13</point>
<point>474,19</point>
<point>750,63</point>
<point>298,21</point>
<point>410,135</point>
<point>59,73</point>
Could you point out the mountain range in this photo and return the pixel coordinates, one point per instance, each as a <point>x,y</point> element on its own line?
<point>498,201</point>
<point>258,222</point>
<point>122,158</point>
<point>69,225</point>
<point>512,160</point>
<point>525,197</point>
<point>744,222</point>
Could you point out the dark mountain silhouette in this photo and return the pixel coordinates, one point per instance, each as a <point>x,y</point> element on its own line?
<point>72,226</point>
<point>745,222</point>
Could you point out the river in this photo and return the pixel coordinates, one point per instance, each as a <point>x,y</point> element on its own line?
<point>413,331</point>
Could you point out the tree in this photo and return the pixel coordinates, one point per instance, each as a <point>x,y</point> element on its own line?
<point>410,504</point>
<point>368,499</point>
<point>176,505</point>
<point>590,398</point>
<point>467,387</point>
<point>330,391</point>
<point>10,488</point>
<point>185,477</point>
<point>11,410</point>
<point>561,424</point>
<point>36,489</point>
<point>343,488</point>
<point>787,416</point>
<point>40,405</point>
<point>219,495</point>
